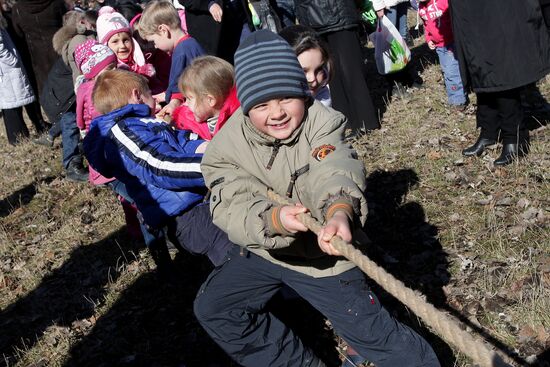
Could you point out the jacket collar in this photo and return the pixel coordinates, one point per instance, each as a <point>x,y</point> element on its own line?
<point>107,121</point>
<point>230,105</point>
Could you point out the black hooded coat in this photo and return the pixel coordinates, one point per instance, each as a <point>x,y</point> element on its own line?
<point>36,21</point>
<point>500,44</point>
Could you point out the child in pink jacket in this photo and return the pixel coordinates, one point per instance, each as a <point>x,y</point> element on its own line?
<point>438,31</point>
<point>92,58</point>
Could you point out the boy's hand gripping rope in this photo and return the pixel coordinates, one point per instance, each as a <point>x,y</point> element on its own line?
<point>445,326</point>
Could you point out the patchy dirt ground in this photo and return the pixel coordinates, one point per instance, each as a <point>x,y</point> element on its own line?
<point>77,290</point>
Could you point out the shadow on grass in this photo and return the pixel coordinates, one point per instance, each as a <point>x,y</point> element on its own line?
<point>406,245</point>
<point>67,294</point>
<point>21,197</point>
<point>152,324</point>
<point>544,358</point>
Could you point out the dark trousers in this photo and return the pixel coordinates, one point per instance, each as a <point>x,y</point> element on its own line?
<point>35,115</point>
<point>70,136</point>
<point>348,86</point>
<point>545,8</point>
<point>195,232</point>
<point>15,125</point>
<point>501,113</point>
<point>230,304</point>
<point>153,238</point>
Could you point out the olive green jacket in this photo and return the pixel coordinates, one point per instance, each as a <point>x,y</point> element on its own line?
<point>314,167</point>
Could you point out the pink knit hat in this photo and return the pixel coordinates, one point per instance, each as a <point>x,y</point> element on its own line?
<point>109,23</point>
<point>92,57</point>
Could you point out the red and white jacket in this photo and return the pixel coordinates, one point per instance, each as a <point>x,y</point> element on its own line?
<point>436,17</point>
<point>183,118</point>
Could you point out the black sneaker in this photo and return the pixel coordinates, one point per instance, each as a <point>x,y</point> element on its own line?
<point>77,173</point>
<point>45,140</point>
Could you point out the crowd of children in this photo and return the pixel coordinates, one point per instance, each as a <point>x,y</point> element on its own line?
<point>192,146</point>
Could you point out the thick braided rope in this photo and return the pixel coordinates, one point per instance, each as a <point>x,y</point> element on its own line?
<point>447,327</point>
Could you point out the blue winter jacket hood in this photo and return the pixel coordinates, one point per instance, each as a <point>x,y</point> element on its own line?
<point>157,164</point>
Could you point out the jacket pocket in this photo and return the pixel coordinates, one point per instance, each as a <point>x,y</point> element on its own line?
<point>215,195</point>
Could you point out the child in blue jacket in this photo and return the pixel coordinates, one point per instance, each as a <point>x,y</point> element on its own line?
<point>158,166</point>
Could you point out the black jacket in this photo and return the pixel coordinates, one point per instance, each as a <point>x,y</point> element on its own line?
<point>58,93</point>
<point>219,39</point>
<point>500,44</point>
<point>326,16</point>
<point>36,21</point>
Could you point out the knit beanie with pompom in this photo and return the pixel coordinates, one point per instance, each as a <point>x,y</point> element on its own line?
<point>92,57</point>
<point>111,22</point>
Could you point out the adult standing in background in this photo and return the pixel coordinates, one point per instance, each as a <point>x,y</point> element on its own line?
<point>407,79</point>
<point>545,7</point>
<point>396,11</point>
<point>33,109</point>
<point>502,46</point>
<point>15,89</point>
<point>218,25</point>
<point>286,11</point>
<point>36,21</point>
<point>337,22</point>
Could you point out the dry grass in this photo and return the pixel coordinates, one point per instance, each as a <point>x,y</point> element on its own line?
<point>75,289</point>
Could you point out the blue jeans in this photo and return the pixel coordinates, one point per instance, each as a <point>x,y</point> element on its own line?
<point>151,236</point>
<point>230,307</point>
<point>398,16</point>
<point>451,74</point>
<point>286,11</point>
<point>70,136</point>
<point>55,130</point>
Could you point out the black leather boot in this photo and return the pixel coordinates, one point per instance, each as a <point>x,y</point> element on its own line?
<point>479,147</point>
<point>511,152</point>
<point>76,173</point>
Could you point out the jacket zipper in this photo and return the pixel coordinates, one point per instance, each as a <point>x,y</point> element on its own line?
<point>276,146</point>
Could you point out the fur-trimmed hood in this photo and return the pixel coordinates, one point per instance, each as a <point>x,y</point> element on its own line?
<point>64,35</point>
<point>65,41</point>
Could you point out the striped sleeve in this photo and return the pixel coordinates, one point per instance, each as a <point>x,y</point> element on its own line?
<point>157,162</point>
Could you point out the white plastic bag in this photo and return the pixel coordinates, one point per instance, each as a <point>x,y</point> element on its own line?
<point>390,50</point>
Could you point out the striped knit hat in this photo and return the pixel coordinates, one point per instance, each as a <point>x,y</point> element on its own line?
<point>266,67</point>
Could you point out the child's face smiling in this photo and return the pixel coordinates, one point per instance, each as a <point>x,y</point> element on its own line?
<point>122,45</point>
<point>279,117</point>
<point>314,67</point>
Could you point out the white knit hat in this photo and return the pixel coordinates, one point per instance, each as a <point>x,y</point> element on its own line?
<point>111,22</point>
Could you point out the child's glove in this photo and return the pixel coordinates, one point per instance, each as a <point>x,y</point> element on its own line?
<point>78,82</point>
<point>147,70</point>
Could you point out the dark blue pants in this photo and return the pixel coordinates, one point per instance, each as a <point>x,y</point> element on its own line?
<point>230,304</point>
<point>70,136</point>
<point>194,231</point>
<point>151,237</point>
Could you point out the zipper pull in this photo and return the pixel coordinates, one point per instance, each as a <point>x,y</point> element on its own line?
<point>290,187</point>
<point>276,146</point>
<point>294,177</point>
